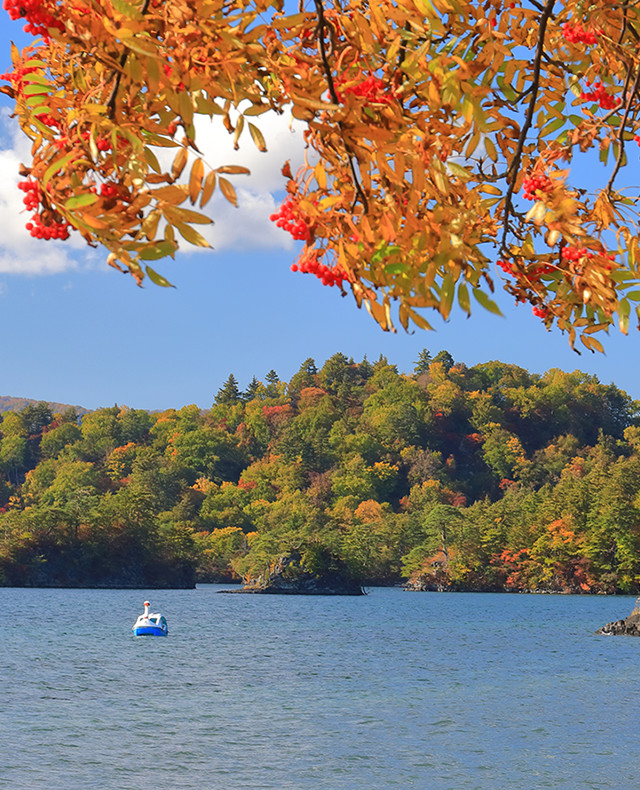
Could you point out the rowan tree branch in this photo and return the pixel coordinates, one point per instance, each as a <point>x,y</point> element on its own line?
<point>623,124</point>
<point>111,102</point>
<point>322,24</point>
<point>512,172</point>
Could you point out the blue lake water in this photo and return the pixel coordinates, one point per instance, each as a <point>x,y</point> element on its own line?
<point>391,690</point>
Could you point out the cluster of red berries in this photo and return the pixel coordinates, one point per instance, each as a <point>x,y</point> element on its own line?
<point>16,77</point>
<point>535,187</point>
<point>102,144</point>
<point>540,312</point>
<point>39,20</point>
<point>288,218</point>
<point>49,120</point>
<point>533,272</point>
<point>31,189</point>
<point>600,94</point>
<point>371,90</point>
<point>577,254</point>
<point>108,190</point>
<point>328,276</point>
<point>168,70</point>
<point>51,229</point>
<point>576,34</point>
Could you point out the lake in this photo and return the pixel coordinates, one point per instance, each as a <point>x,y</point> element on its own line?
<point>393,690</point>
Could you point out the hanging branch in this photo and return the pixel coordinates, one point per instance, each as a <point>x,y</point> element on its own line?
<point>623,124</point>
<point>111,102</point>
<point>535,86</point>
<point>322,24</point>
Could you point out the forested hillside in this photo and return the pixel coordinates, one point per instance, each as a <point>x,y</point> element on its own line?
<point>486,477</point>
<point>9,403</point>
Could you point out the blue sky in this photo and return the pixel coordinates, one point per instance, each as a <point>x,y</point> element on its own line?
<point>75,331</point>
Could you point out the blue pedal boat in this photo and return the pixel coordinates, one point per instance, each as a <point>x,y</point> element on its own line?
<point>150,624</point>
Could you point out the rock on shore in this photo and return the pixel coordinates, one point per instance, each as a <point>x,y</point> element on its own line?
<point>630,626</point>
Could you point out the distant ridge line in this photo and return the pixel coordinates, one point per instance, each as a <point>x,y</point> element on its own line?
<point>9,403</point>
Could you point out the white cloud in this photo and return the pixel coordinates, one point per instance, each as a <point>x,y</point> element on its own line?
<point>19,252</point>
<point>282,134</point>
<point>245,227</point>
<point>248,226</point>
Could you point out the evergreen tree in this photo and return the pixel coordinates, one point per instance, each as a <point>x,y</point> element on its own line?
<point>35,417</point>
<point>365,368</point>
<point>252,390</point>
<point>271,387</point>
<point>422,363</point>
<point>229,392</point>
<point>305,377</point>
<point>445,358</point>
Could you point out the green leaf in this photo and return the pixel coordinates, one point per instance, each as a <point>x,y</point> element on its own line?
<point>395,268</point>
<point>158,279</point>
<point>152,252</point>
<point>152,160</point>
<point>463,298</point>
<point>79,201</point>
<point>458,170</point>
<point>604,155</point>
<point>624,309</point>
<point>125,9</point>
<point>34,89</point>
<point>446,295</point>
<point>37,79</point>
<point>553,126</point>
<point>59,164</point>
<point>486,302</point>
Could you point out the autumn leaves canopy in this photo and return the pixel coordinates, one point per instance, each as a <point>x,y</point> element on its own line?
<point>443,137</point>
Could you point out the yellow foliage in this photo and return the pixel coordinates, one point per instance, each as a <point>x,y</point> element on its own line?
<point>431,127</point>
<point>369,511</point>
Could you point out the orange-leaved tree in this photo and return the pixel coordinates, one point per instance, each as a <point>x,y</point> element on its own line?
<point>441,138</point>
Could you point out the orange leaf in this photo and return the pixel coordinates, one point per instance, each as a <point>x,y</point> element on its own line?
<point>207,189</point>
<point>195,180</point>
<point>179,162</point>
<point>228,191</point>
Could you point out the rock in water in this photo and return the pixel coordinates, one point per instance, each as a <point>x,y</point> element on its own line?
<point>289,576</point>
<point>630,626</point>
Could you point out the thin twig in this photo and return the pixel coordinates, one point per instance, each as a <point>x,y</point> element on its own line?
<point>322,24</point>
<point>535,85</point>
<point>623,125</point>
<point>111,103</point>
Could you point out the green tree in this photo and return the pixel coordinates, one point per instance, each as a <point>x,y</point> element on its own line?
<point>252,390</point>
<point>229,392</point>
<point>306,376</point>
<point>445,359</point>
<point>53,442</point>
<point>421,365</point>
<point>271,388</point>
